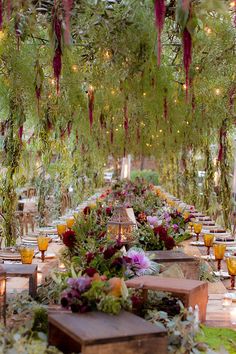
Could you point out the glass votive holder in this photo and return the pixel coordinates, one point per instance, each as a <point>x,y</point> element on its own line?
<point>233,315</point>
<point>27,255</point>
<point>226,301</point>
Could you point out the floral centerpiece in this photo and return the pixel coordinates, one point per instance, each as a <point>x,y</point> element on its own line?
<point>85,294</point>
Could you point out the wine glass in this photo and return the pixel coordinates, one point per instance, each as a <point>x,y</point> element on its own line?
<point>61,229</point>
<point>231,265</point>
<point>219,252</point>
<point>208,242</point>
<point>70,222</point>
<point>43,245</point>
<point>197,229</point>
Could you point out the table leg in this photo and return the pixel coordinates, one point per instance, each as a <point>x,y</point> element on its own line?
<point>33,284</point>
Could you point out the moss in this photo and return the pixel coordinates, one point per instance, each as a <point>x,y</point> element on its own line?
<point>217,338</point>
<point>40,323</point>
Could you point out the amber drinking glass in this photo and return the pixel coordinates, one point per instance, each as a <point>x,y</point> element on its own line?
<point>208,242</point>
<point>70,222</point>
<point>43,245</point>
<point>61,229</point>
<point>231,265</point>
<point>27,255</point>
<point>197,229</point>
<point>219,252</point>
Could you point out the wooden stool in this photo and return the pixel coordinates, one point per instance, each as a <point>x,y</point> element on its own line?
<point>24,271</point>
<point>101,333</point>
<point>190,292</point>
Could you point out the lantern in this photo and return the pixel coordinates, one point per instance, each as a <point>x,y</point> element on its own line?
<point>121,227</point>
<point>2,294</point>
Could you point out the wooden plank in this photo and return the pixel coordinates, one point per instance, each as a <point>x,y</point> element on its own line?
<point>98,327</point>
<point>19,269</point>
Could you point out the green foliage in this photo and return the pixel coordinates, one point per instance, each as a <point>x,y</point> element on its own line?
<point>218,338</point>
<point>148,176</point>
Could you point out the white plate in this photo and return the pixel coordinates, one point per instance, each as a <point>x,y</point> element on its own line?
<point>197,243</point>
<point>223,235</point>
<point>231,295</point>
<point>222,274</point>
<point>210,257</point>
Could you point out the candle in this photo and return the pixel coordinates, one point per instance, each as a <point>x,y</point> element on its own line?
<point>226,301</point>
<point>233,315</point>
<point>39,278</point>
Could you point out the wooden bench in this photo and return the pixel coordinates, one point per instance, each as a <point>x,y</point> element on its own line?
<point>100,333</point>
<point>170,256</point>
<point>190,292</point>
<point>24,271</point>
<point>189,265</point>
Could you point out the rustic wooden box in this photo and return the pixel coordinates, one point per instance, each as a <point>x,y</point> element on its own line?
<point>100,333</point>
<point>190,292</point>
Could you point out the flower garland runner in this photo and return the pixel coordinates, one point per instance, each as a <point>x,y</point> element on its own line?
<point>102,264</point>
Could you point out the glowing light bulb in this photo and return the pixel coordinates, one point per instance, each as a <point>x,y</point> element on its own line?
<point>175,101</point>
<point>184,86</point>
<point>117,129</point>
<point>232,4</point>
<point>208,30</point>
<point>217,92</point>
<point>197,68</point>
<point>144,94</point>
<point>178,131</point>
<point>75,68</point>
<point>2,35</point>
<point>187,123</point>
<point>107,132</point>
<point>53,82</point>
<point>107,54</point>
<point>91,88</point>
<point>160,130</point>
<point>120,125</point>
<point>113,92</point>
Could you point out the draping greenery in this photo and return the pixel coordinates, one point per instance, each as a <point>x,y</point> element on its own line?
<point>102,93</point>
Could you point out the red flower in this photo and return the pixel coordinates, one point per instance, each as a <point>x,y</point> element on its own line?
<point>169,243</point>
<point>87,210</point>
<point>89,257</point>
<point>109,211</point>
<point>69,238</point>
<point>90,271</point>
<point>109,252</point>
<point>101,234</point>
<point>161,231</point>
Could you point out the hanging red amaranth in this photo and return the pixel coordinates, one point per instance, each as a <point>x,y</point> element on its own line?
<point>138,134</point>
<point>102,121</point>
<point>187,56</point>
<point>165,105</point>
<point>77,137</point>
<point>223,134</point>
<point>91,105</point>
<point>126,118</point>
<point>69,127</point>
<point>8,9</point>
<point>62,133</point>
<point>111,134</point>
<point>57,65</point>
<point>67,4</point>
<point>57,62</point>
<point>160,10</point>
<point>20,132</point>
<point>232,97</point>
<point>1,14</point>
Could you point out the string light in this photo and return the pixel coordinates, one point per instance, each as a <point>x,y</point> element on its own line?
<point>184,86</point>
<point>2,35</point>
<point>75,68</point>
<point>107,132</point>
<point>197,68</point>
<point>175,101</point>
<point>232,4</point>
<point>107,55</point>
<point>160,130</point>
<point>113,92</point>
<point>144,94</point>
<point>178,131</point>
<point>117,129</point>
<point>208,30</point>
<point>217,92</point>
<point>52,81</point>
<point>187,123</point>
<point>120,125</point>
